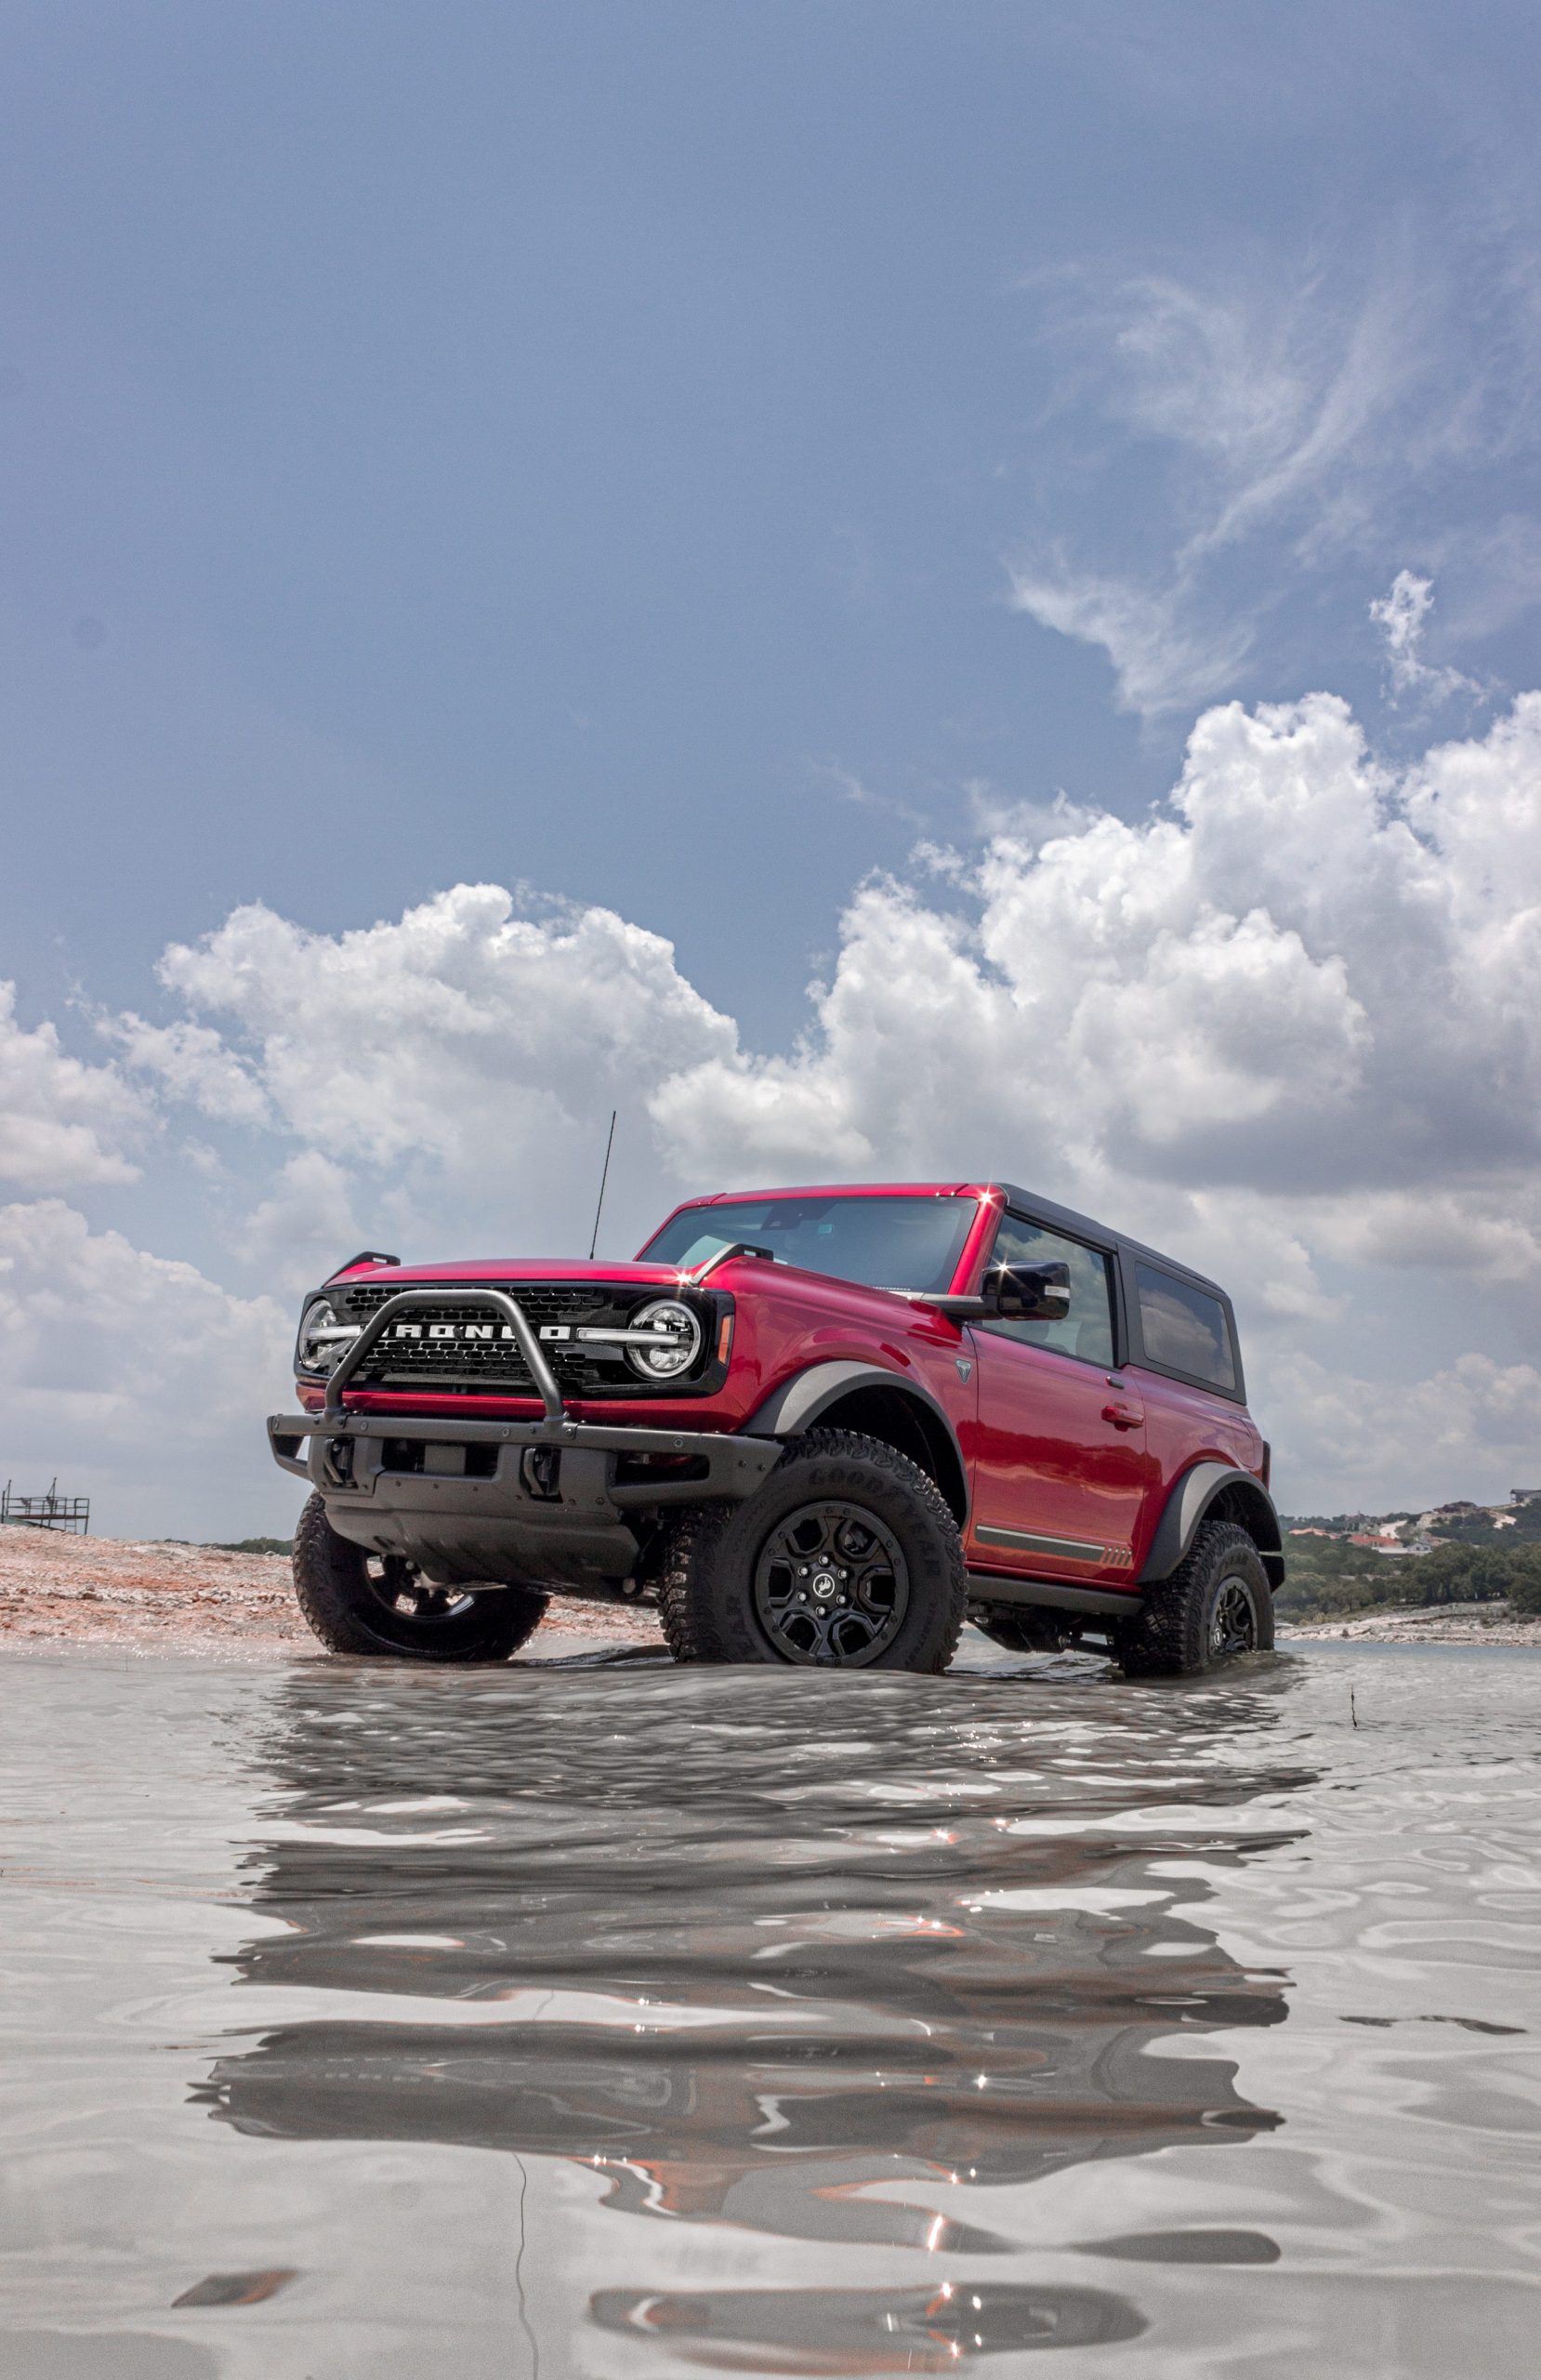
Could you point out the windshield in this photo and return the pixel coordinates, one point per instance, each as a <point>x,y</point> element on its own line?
<point>888,1243</point>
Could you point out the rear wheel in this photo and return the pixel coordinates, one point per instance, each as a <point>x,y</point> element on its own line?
<point>1215,1607</point>
<point>379,1605</point>
<point>847,1558</point>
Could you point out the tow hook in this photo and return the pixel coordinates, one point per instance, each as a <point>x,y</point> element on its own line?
<point>540,1469</point>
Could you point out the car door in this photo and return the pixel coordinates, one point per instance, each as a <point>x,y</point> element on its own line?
<point>1059,1462</point>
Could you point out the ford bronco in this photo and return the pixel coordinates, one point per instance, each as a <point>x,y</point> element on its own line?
<point>817,1426</point>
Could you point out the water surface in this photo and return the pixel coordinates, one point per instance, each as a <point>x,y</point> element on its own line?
<point>613,2020</point>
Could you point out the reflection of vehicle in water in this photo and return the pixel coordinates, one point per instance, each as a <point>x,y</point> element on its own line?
<point>750,2004</point>
<point>929,2329</point>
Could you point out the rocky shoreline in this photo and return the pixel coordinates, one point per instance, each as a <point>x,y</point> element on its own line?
<point>60,1591</point>
<point>1450,1623</point>
<point>57,1591</point>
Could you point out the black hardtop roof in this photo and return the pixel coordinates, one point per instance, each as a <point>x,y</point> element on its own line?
<point>1063,1218</point>
<point>1085,1227</point>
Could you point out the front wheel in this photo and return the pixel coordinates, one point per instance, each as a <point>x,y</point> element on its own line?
<point>1215,1607</point>
<point>379,1605</point>
<point>847,1558</point>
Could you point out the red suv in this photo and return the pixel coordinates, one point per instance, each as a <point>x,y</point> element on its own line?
<point>816,1426</point>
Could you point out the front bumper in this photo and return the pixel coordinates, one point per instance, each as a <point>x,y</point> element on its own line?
<point>549,1501</point>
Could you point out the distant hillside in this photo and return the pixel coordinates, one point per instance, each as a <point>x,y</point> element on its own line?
<point>1340,1567</point>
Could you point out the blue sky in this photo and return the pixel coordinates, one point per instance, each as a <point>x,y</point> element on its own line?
<point>681,460</point>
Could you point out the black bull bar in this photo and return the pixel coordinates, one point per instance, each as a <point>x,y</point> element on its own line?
<point>503,1503</point>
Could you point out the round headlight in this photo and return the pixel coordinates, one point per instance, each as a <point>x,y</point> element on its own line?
<point>674,1340</point>
<point>321,1338</point>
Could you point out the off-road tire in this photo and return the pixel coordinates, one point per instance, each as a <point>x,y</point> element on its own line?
<point>332,1587</point>
<point>706,1561</point>
<point>1173,1636</point>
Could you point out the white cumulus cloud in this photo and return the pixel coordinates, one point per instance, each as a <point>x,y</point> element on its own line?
<point>1467,1429</point>
<point>461,1042</point>
<point>1288,1024</point>
<point>136,1379</point>
<point>1303,978</point>
<point>1306,982</point>
<point>62,1123</point>
<point>190,1062</point>
<point>305,1227</point>
<point>1401,616</point>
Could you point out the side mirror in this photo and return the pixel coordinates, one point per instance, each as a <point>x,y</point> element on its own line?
<point>1030,1292</point>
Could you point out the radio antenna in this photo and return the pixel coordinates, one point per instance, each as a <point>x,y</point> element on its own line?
<point>603,1179</point>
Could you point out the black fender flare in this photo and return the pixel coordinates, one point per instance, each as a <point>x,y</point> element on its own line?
<point>1192,1501</point>
<point>809,1395</point>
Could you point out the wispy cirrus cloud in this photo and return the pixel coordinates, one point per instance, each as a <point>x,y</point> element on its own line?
<point>1281,428</point>
<point>1164,658</point>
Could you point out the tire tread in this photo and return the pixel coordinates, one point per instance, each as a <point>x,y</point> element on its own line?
<point>1168,1639</point>
<point>328,1571</point>
<point>694,1539</point>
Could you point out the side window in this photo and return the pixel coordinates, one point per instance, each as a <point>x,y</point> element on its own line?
<point>1086,1330</point>
<point>1185,1329</point>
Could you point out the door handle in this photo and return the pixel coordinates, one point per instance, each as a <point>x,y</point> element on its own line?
<point>1124,1416</point>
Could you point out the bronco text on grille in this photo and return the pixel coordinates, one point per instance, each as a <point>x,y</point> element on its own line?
<point>465,1350</point>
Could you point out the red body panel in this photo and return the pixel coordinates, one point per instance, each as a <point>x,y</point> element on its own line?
<point>1045,1462</point>
<point>1069,1464</point>
<point>1186,1425</point>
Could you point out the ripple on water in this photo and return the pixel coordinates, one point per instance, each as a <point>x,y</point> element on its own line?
<point>738,2003</point>
<point>827,2025</point>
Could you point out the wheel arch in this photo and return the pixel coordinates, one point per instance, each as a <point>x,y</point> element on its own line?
<point>849,1395</point>
<point>1215,1492</point>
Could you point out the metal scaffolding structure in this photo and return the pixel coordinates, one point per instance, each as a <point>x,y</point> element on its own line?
<point>52,1511</point>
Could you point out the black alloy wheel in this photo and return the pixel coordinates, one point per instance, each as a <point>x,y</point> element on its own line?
<point>380,1605</point>
<point>832,1585</point>
<point>1233,1624</point>
<point>400,1588</point>
<point>846,1558</point>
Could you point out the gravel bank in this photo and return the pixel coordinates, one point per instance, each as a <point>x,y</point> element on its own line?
<point>1450,1623</point>
<point>58,1590</point>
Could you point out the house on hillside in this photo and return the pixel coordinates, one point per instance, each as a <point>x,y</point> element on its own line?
<point>1463,1509</point>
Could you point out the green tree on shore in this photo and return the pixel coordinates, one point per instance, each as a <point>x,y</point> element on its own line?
<point>1330,1577</point>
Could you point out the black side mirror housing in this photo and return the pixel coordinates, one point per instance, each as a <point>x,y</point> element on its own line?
<point>1030,1292</point>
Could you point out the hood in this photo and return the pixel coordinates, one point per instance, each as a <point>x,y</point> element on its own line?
<point>496,1270</point>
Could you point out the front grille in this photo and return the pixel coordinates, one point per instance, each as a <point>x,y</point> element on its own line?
<point>495,1368</point>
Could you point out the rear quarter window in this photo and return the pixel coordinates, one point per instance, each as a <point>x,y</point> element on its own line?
<point>1184,1329</point>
